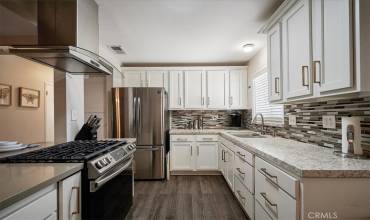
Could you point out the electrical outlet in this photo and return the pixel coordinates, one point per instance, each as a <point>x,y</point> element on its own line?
<point>328,121</point>
<point>293,120</point>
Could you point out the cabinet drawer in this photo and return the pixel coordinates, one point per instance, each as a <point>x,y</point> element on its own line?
<point>274,200</point>
<point>41,208</point>
<point>183,138</point>
<point>260,213</point>
<point>206,138</point>
<point>244,197</point>
<point>245,173</point>
<point>244,156</point>
<point>278,177</point>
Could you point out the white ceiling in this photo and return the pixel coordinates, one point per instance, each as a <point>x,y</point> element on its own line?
<point>184,31</point>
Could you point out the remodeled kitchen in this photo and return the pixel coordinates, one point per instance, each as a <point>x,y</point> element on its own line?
<point>184,109</point>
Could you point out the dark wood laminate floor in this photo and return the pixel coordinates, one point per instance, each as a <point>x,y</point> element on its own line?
<point>185,197</point>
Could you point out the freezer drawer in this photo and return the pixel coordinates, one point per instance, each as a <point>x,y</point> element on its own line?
<point>150,162</point>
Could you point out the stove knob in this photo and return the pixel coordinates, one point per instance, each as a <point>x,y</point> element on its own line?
<point>107,160</point>
<point>98,164</point>
<point>102,161</point>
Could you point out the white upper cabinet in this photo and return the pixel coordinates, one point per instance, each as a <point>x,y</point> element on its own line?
<point>325,50</point>
<point>157,78</point>
<point>236,89</point>
<point>176,89</point>
<point>332,66</point>
<point>297,47</point>
<point>274,62</point>
<point>134,78</point>
<point>216,89</point>
<point>195,89</point>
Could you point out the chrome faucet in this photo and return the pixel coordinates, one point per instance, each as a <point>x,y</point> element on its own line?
<point>262,131</point>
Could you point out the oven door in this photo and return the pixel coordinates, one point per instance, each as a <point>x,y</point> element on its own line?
<point>111,195</point>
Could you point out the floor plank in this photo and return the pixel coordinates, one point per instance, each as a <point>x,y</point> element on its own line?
<point>185,197</point>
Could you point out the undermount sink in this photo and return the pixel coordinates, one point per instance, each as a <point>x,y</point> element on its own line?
<point>246,135</point>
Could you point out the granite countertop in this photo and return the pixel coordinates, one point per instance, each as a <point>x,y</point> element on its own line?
<point>20,180</point>
<point>296,158</point>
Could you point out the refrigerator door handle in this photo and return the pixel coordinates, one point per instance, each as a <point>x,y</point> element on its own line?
<point>135,117</point>
<point>139,115</point>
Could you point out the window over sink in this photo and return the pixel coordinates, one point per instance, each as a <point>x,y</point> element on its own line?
<point>273,113</point>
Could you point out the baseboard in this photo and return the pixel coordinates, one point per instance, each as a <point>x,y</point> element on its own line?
<point>211,172</point>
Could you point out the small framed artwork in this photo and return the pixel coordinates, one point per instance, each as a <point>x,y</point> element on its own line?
<point>5,95</point>
<point>29,98</point>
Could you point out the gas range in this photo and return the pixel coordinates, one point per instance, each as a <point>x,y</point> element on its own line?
<point>108,171</point>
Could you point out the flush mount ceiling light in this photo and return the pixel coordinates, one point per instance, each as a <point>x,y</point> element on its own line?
<point>248,47</point>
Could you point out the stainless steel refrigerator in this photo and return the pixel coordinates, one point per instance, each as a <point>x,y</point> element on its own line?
<point>142,113</point>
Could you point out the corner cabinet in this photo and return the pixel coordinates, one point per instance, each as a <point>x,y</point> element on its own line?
<point>274,60</point>
<point>193,153</point>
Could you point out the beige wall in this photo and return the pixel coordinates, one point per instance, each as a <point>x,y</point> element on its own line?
<point>256,66</point>
<point>16,123</point>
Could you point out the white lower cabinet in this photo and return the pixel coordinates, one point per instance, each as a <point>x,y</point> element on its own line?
<point>181,156</point>
<point>207,156</point>
<point>40,205</point>
<point>69,191</point>
<point>188,154</point>
<point>244,196</point>
<point>260,213</point>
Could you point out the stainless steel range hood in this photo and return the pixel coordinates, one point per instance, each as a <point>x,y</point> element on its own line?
<point>63,34</point>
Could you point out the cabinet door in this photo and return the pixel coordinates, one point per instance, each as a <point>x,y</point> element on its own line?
<point>229,159</point>
<point>194,89</point>
<point>69,198</point>
<point>221,161</point>
<point>216,89</point>
<point>176,91</point>
<point>207,156</point>
<point>157,78</point>
<point>332,37</point>
<point>134,78</point>
<point>235,88</point>
<point>182,156</point>
<point>274,62</point>
<point>297,53</point>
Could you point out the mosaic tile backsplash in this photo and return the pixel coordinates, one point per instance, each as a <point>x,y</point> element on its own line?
<point>309,127</point>
<point>211,119</point>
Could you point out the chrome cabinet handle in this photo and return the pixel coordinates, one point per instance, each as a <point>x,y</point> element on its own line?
<point>264,170</point>
<point>202,100</point>
<point>276,85</point>
<point>208,100</point>
<point>198,150</point>
<point>264,196</point>
<point>238,169</point>
<point>240,154</point>
<point>240,195</point>
<point>78,200</point>
<point>231,100</point>
<point>222,156</point>
<point>314,72</point>
<point>304,76</point>
<point>191,150</point>
<point>207,139</point>
<point>181,139</point>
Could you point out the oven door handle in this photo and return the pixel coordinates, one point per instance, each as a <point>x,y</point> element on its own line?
<point>95,185</point>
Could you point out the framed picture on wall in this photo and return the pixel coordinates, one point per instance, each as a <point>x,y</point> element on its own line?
<point>5,95</point>
<point>29,98</point>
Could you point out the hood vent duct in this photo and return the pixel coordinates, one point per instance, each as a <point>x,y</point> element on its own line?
<point>63,34</point>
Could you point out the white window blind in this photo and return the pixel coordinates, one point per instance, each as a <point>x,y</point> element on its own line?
<point>272,113</point>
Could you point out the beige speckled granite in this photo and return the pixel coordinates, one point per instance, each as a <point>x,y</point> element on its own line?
<point>299,159</point>
<point>19,181</point>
